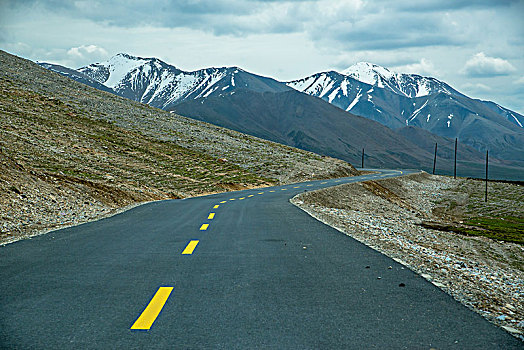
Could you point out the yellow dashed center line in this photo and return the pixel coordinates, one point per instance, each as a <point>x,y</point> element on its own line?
<point>250,196</point>
<point>323,183</point>
<point>260,192</point>
<point>296,187</point>
<point>190,247</point>
<point>232,199</point>
<point>223,202</point>
<point>216,206</point>
<point>204,227</point>
<point>211,216</point>
<point>309,185</point>
<point>149,315</point>
<point>241,198</point>
<point>283,189</point>
<point>271,191</point>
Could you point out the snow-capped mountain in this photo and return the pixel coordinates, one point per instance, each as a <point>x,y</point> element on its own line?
<point>409,85</point>
<point>399,100</point>
<point>395,100</point>
<point>75,75</point>
<point>360,83</point>
<point>152,81</point>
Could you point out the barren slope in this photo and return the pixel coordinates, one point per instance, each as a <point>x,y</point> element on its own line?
<point>70,153</point>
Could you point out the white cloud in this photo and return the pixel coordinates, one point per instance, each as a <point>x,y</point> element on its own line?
<point>478,87</point>
<point>520,81</point>
<point>86,54</point>
<point>481,65</point>
<point>424,67</point>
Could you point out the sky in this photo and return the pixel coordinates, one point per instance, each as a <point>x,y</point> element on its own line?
<point>476,46</point>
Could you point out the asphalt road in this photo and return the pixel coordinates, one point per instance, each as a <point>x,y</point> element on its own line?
<point>263,274</point>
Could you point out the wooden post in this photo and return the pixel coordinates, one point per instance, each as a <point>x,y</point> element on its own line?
<point>455,168</point>
<point>362,158</point>
<point>486,196</point>
<point>435,159</point>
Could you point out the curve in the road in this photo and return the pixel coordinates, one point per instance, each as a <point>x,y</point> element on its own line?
<point>242,270</point>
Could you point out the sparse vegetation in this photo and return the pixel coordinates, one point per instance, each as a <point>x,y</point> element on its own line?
<point>70,153</point>
<point>501,218</point>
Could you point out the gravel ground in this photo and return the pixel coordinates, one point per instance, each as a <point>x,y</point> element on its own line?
<point>483,274</point>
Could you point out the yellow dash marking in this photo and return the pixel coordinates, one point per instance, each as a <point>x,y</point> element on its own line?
<point>190,247</point>
<point>211,216</point>
<point>241,198</point>
<point>271,191</point>
<point>223,202</point>
<point>260,192</point>
<point>283,189</point>
<point>401,173</point>
<point>309,185</point>
<point>250,196</point>
<point>296,187</point>
<point>232,199</point>
<point>204,227</point>
<point>216,206</point>
<point>149,315</point>
<point>323,183</point>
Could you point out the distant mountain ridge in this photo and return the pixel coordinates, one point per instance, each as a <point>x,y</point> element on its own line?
<point>409,85</point>
<point>394,100</point>
<point>154,82</point>
<point>399,100</point>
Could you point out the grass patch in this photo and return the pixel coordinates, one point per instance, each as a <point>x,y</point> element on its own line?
<point>508,229</point>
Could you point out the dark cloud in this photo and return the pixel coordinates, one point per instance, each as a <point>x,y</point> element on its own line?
<point>366,25</point>
<point>447,5</point>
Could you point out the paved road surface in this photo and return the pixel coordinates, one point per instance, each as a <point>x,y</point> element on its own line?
<point>263,274</point>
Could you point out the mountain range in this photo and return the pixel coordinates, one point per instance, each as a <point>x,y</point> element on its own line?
<point>299,113</point>
<point>398,100</point>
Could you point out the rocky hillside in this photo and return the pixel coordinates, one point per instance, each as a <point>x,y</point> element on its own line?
<point>70,153</point>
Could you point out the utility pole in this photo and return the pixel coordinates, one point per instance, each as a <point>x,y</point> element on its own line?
<point>486,196</point>
<point>362,158</point>
<point>435,159</point>
<point>455,168</point>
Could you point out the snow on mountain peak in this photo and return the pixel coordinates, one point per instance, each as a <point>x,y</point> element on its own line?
<point>369,73</point>
<point>409,85</point>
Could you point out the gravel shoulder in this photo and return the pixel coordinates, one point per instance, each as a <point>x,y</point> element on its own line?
<point>388,215</point>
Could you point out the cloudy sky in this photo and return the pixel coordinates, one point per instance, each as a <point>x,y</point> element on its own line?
<point>476,46</point>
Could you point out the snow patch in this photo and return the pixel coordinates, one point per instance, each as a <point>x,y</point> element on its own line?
<point>368,73</point>
<point>344,87</point>
<point>355,101</point>
<point>333,94</point>
<point>422,89</point>
<point>417,111</point>
<point>119,66</point>
<point>518,122</point>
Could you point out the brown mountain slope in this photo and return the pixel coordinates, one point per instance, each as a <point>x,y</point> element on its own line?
<point>70,153</point>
